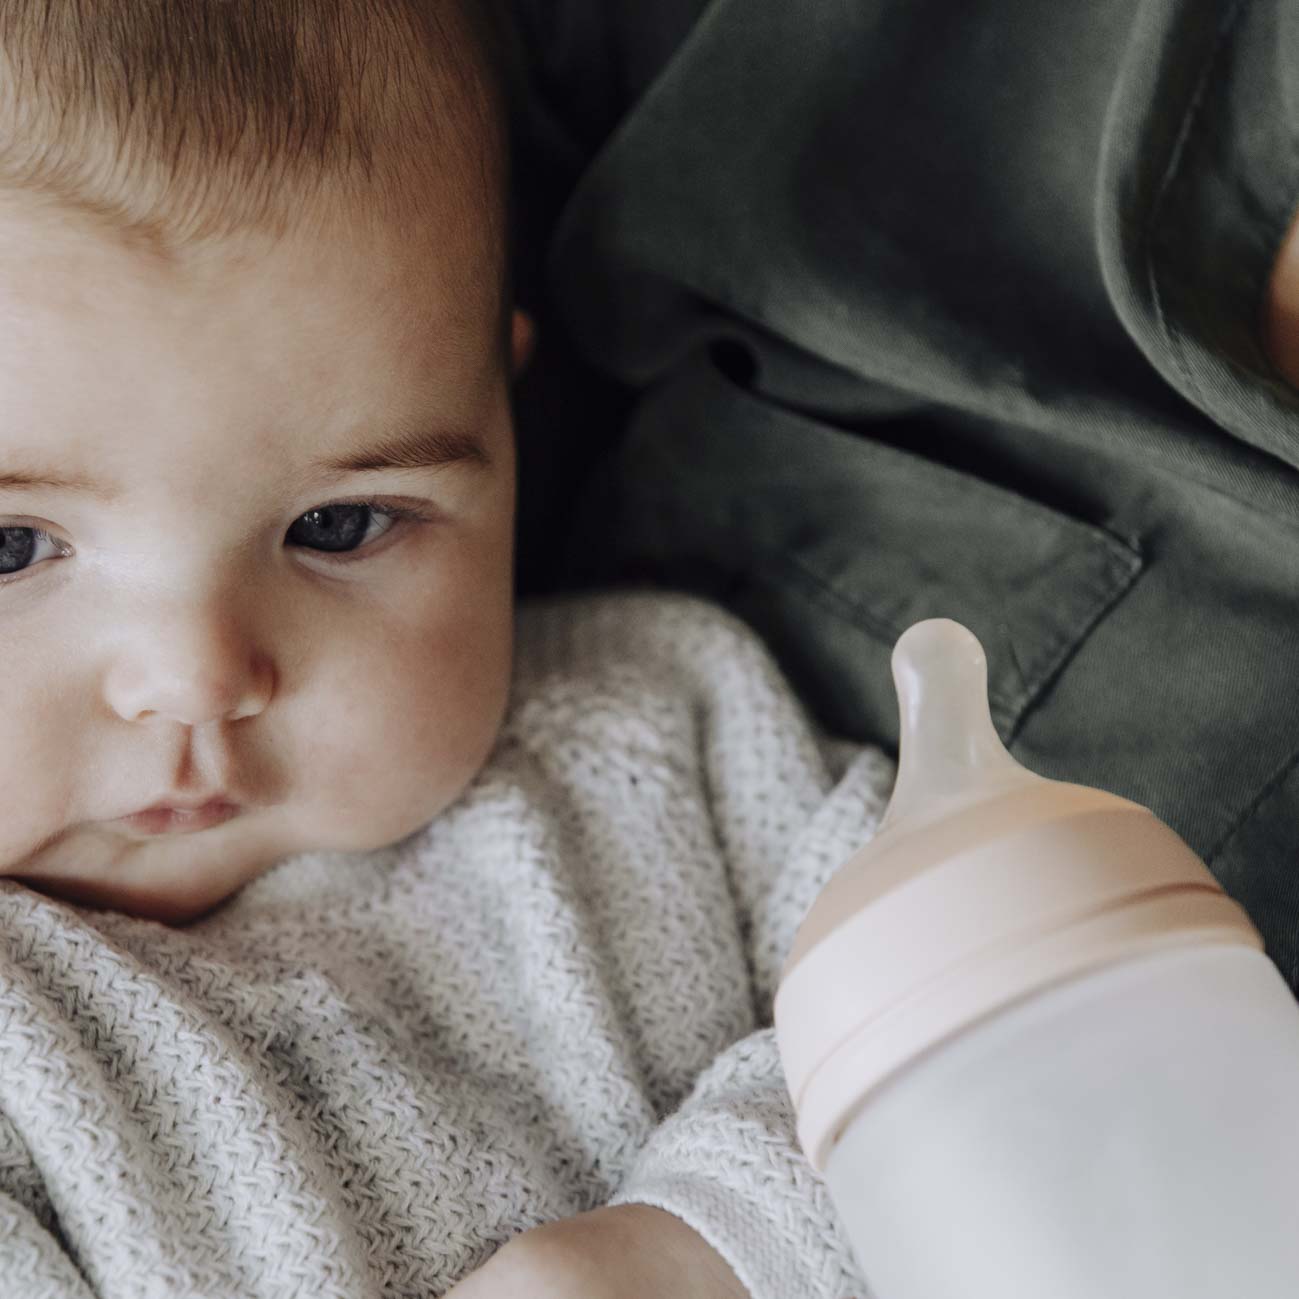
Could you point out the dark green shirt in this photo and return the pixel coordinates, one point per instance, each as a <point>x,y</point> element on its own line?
<point>928,309</point>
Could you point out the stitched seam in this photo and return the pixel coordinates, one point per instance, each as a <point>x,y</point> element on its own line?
<point>1269,788</point>
<point>844,605</point>
<point>1013,707</point>
<point>1070,645</point>
<point>1125,564</point>
<point>1121,549</point>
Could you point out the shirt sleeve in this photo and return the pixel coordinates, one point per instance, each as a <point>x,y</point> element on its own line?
<point>727,1161</point>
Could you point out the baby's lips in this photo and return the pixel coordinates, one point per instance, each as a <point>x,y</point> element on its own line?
<point>171,819</point>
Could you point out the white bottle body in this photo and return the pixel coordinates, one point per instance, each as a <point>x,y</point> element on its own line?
<point>1132,1133</point>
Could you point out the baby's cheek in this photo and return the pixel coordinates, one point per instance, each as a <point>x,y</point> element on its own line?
<point>39,755</point>
<point>402,733</point>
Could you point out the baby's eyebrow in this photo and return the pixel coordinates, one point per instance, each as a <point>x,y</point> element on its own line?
<point>24,480</point>
<point>418,447</point>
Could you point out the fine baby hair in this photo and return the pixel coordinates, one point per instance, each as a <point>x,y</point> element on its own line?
<point>179,121</point>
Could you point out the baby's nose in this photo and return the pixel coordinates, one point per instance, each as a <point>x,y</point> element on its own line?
<point>190,664</point>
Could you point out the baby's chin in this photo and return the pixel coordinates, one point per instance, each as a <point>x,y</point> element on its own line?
<point>175,879</point>
<point>180,877</point>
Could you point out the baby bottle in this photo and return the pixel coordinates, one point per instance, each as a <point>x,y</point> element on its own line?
<point>1035,1051</point>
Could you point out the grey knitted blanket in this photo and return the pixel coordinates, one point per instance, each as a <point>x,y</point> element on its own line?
<point>367,1071</point>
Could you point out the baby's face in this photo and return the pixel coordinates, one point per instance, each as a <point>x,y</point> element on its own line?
<point>210,604</point>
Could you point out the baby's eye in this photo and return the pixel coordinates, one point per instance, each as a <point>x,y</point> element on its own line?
<point>340,528</point>
<point>20,547</point>
<point>334,529</point>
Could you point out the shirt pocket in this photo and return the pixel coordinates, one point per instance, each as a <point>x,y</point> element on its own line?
<point>832,544</point>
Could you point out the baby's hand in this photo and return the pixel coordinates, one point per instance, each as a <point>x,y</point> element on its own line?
<point>623,1251</point>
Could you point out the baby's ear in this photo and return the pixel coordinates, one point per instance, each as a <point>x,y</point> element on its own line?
<point>523,337</point>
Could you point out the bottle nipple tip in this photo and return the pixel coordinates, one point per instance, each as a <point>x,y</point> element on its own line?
<point>941,645</point>
<point>949,749</point>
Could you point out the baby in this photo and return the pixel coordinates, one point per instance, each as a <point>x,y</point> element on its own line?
<point>257,456</point>
<point>510,978</point>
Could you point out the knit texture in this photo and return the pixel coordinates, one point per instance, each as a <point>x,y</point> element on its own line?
<point>367,1071</point>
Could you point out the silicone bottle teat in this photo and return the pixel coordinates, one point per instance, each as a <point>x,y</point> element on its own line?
<point>949,753</point>
<point>983,883</point>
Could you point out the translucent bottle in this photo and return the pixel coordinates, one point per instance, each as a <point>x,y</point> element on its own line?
<point>1035,1050</point>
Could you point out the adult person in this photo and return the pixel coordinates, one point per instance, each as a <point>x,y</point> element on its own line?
<point>974,310</point>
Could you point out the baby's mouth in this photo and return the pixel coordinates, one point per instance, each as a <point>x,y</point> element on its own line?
<point>170,820</point>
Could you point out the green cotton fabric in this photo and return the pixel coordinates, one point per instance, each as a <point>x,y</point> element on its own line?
<point>933,310</point>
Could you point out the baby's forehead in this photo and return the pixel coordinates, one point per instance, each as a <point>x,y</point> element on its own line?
<point>261,350</point>
<point>442,271</point>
